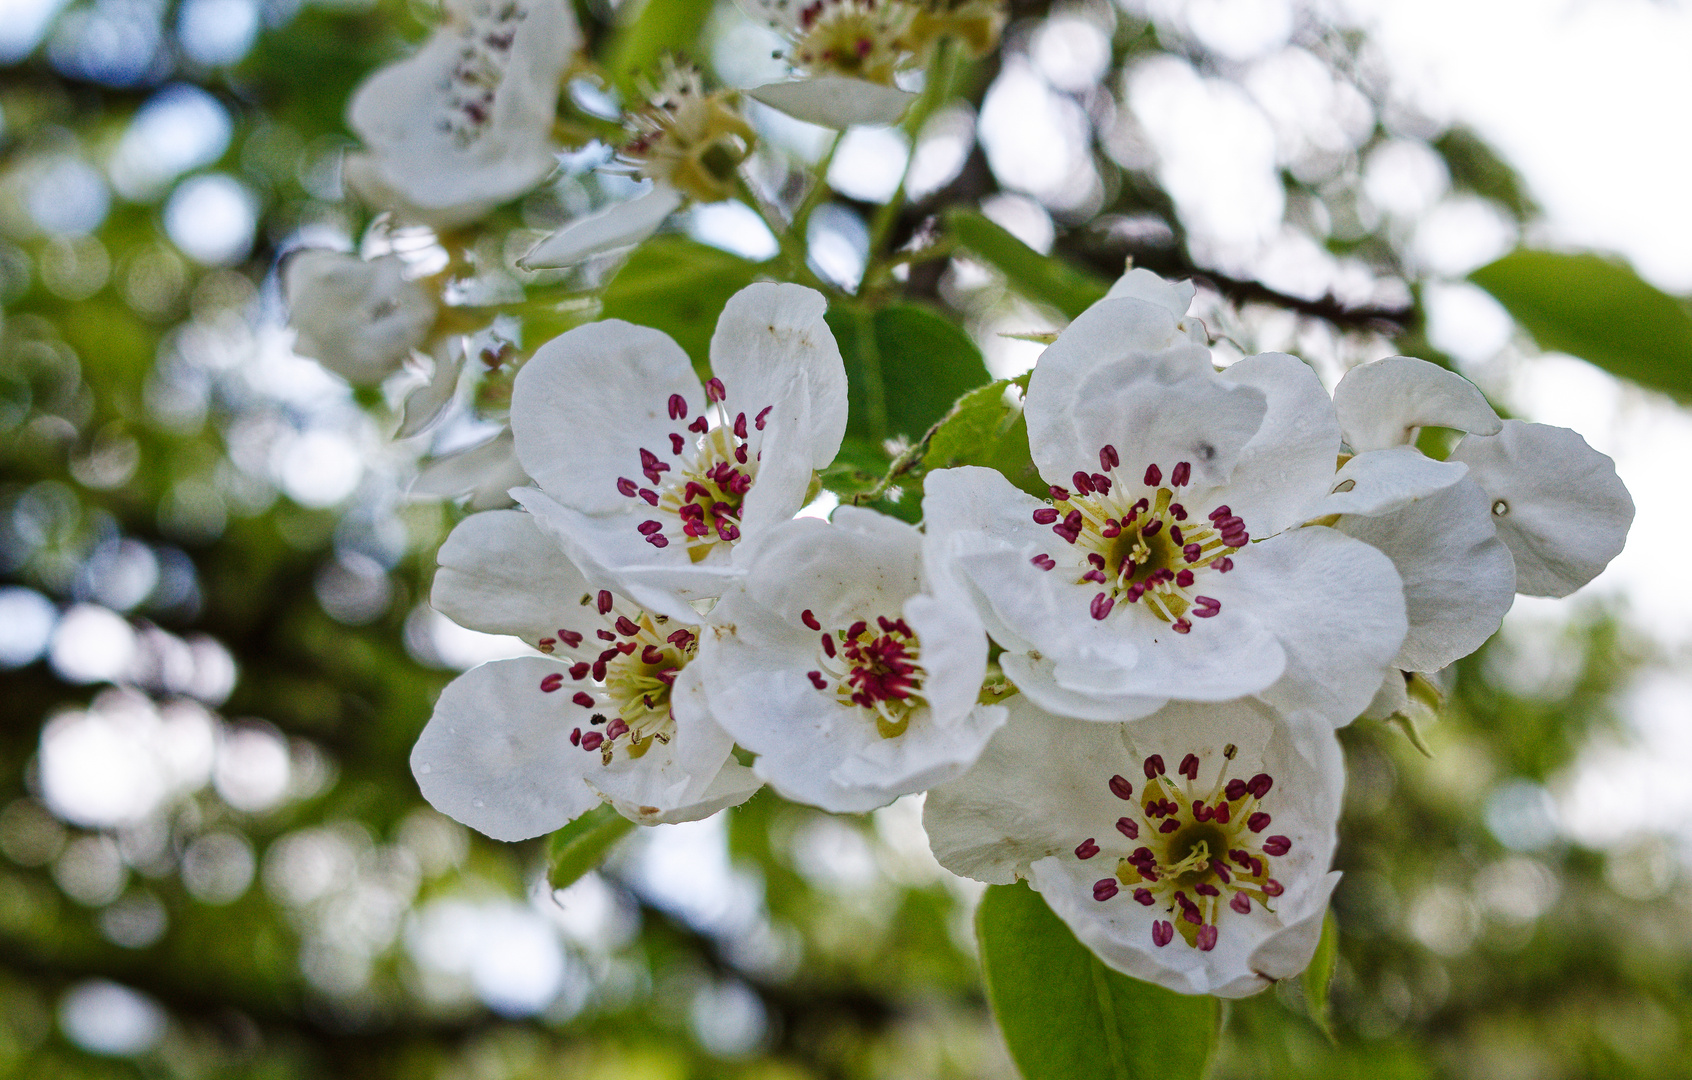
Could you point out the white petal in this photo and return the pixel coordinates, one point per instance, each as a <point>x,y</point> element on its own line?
<point>1132,334</point>
<point>1381,404</point>
<point>835,101</point>
<point>772,347</point>
<point>608,551</point>
<point>589,401</point>
<point>358,319</point>
<point>732,786</point>
<point>968,511</point>
<point>1381,481</point>
<point>496,754</point>
<point>500,574</point>
<point>1202,420</point>
<point>1392,699</point>
<point>1037,679</point>
<point>619,225</point>
<point>1337,609</point>
<point>1142,284</point>
<point>1459,579</point>
<point>425,405</point>
<point>1017,805</point>
<point>1565,512</point>
<point>485,471</point>
<point>1289,462</point>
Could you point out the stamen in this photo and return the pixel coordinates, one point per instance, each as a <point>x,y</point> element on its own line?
<point>1121,788</point>
<point>809,620</point>
<point>1104,889</point>
<point>604,601</point>
<point>1045,515</point>
<point>1154,476</point>
<point>551,683</point>
<point>583,698</point>
<point>1086,849</point>
<point>1182,473</point>
<point>1162,932</point>
<point>714,389</point>
<point>759,421</point>
<point>1277,846</point>
<point>678,407</point>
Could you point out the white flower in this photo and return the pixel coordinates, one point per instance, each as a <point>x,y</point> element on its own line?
<point>650,479</point>
<point>1190,848</point>
<point>517,748</point>
<point>689,143</point>
<point>849,53</point>
<point>1169,564</point>
<point>1521,507</point>
<point>358,319</point>
<point>466,123</point>
<point>851,678</point>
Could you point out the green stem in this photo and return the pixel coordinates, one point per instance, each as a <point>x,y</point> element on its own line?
<point>819,189</point>
<point>786,234</point>
<point>936,90</point>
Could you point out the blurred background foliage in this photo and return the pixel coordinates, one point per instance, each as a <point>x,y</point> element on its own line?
<point>218,650</point>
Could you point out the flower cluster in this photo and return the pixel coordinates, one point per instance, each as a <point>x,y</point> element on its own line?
<point>1228,566</point>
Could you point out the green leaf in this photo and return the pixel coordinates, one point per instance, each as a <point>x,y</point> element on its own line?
<point>1598,310</point>
<point>1064,1014</point>
<point>581,845</point>
<point>907,378</point>
<point>1319,976</point>
<point>1039,278</point>
<point>658,27</point>
<point>986,427</point>
<point>678,286</point>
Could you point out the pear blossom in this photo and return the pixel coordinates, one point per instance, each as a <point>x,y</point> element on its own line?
<point>688,142</point>
<point>851,677</point>
<point>465,123</point>
<point>651,479</point>
<point>611,713</point>
<point>1190,848</point>
<point>1528,507</point>
<point>848,54</point>
<point>1173,560</point>
<point>360,319</point>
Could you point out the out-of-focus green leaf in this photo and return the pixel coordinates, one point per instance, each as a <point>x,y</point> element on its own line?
<point>1319,976</point>
<point>581,845</point>
<point>658,27</point>
<point>678,286</point>
<point>986,427</point>
<point>1598,310</point>
<point>1039,278</point>
<point>1064,1014</point>
<point>919,365</point>
<point>1476,167</point>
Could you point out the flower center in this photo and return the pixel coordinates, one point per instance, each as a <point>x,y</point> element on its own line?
<point>1198,852</point>
<point>698,500</point>
<point>627,683</point>
<point>1139,543</point>
<point>861,39</point>
<point>484,52</point>
<point>690,139</point>
<point>875,668</point>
